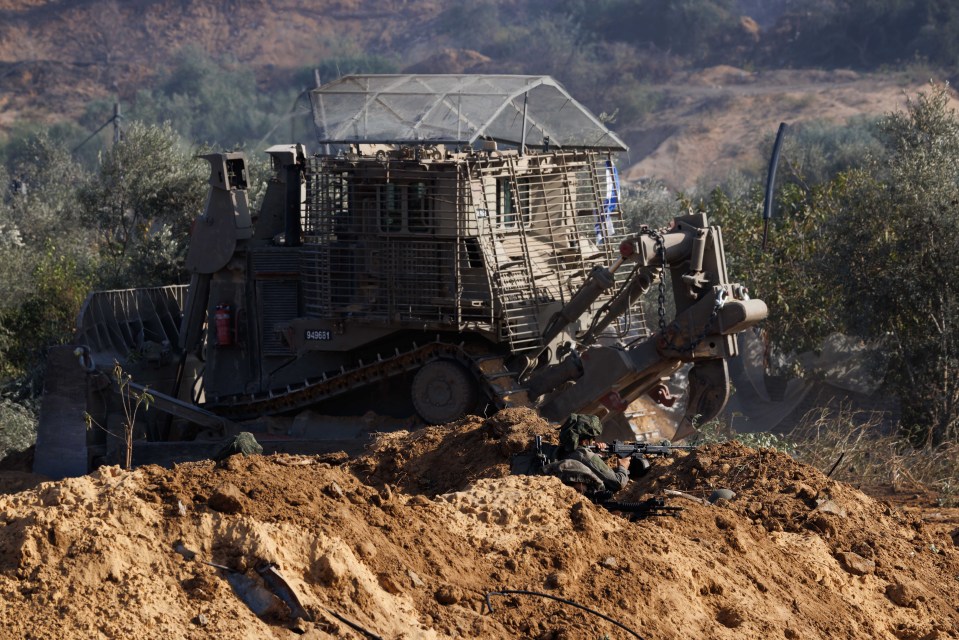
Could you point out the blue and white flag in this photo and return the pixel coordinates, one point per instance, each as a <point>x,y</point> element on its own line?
<point>604,219</point>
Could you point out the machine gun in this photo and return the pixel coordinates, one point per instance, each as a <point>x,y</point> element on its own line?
<point>634,449</point>
<point>639,452</point>
<point>536,460</point>
<point>640,510</point>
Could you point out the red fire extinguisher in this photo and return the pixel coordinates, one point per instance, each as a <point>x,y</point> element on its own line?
<point>224,325</point>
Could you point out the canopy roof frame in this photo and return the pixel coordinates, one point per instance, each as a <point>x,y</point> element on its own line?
<point>384,122</point>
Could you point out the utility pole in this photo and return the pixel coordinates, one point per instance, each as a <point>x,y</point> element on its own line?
<point>117,130</point>
<point>117,133</point>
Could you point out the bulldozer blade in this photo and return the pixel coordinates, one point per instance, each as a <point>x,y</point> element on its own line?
<point>707,395</point>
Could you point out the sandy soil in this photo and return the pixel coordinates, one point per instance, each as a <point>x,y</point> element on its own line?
<point>408,540</point>
<point>713,121</point>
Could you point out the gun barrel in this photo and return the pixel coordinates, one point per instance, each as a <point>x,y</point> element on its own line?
<point>626,449</point>
<point>645,509</point>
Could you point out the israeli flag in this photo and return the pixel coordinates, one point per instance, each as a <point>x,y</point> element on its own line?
<point>604,219</point>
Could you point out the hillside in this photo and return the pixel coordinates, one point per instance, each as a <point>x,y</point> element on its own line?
<point>714,120</point>
<point>57,56</point>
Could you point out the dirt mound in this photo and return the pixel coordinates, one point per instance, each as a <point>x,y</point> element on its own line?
<point>410,540</point>
<point>450,457</point>
<point>15,472</point>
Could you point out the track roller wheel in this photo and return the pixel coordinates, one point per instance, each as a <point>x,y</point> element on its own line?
<point>443,391</point>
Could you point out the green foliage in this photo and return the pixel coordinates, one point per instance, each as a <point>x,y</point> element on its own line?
<point>872,251</point>
<point>46,256</point>
<point>635,101</point>
<point>688,27</point>
<point>714,432</point>
<point>790,275</point>
<point>938,38</point>
<point>864,240</point>
<point>338,66</point>
<point>867,33</point>
<point>664,37</point>
<point>815,152</point>
<point>896,257</point>
<point>539,37</point>
<point>18,426</point>
<point>478,25</point>
<point>210,101</point>
<point>785,276</point>
<point>861,34</point>
<point>65,232</point>
<point>21,142</point>
<point>45,207</point>
<point>767,440</point>
<point>141,203</point>
<point>41,317</point>
<point>651,204</point>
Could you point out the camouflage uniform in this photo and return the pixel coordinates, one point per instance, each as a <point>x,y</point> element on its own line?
<point>584,426</point>
<point>613,480</point>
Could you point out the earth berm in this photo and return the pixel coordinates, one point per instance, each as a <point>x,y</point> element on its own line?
<point>407,541</point>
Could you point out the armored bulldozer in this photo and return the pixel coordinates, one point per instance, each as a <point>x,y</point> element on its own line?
<point>455,245</point>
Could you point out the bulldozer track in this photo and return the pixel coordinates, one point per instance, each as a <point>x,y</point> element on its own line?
<point>498,382</point>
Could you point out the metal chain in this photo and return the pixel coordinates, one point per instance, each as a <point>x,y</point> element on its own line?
<point>712,318</point>
<point>661,250</point>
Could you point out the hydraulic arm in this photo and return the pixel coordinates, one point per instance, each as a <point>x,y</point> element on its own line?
<point>604,379</point>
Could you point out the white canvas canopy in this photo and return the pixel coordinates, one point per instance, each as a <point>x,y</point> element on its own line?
<point>455,110</point>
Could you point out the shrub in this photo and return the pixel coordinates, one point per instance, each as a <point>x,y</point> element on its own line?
<point>18,427</point>
<point>211,101</point>
<point>896,258</point>
<point>141,204</point>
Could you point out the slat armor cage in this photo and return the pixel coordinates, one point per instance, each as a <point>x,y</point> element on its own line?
<point>465,240</point>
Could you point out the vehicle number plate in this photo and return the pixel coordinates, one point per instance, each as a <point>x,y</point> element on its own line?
<point>318,334</point>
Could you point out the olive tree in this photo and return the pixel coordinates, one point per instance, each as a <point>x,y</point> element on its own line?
<point>896,260</point>
<point>871,251</point>
<point>46,256</point>
<point>141,203</point>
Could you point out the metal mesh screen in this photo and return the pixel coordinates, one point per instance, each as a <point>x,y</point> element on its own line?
<point>455,109</point>
<point>380,243</point>
<point>488,239</point>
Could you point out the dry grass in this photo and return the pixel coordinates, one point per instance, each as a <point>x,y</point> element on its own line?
<point>856,447</point>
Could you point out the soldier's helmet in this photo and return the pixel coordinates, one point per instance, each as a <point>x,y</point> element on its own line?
<point>576,427</point>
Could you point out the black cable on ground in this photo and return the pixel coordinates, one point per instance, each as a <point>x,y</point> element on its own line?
<point>353,625</point>
<point>505,592</point>
<point>836,464</point>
